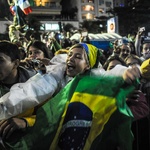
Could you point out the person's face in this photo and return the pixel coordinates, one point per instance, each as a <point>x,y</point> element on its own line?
<point>111,26</point>
<point>112,64</point>
<point>131,62</point>
<point>35,53</point>
<point>124,51</point>
<point>6,67</point>
<point>77,62</point>
<point>146,50</point>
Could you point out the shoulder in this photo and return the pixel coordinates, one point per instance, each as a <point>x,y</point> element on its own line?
<point>25,74</point>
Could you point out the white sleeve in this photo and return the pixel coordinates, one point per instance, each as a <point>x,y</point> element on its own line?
<point>59,58</point>
<point>118,70</point>
<point>23,96</point>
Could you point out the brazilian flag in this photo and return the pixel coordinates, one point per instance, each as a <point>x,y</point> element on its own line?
<point>90,113</point>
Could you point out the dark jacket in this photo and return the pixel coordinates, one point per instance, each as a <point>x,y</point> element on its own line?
<point>24,75</point>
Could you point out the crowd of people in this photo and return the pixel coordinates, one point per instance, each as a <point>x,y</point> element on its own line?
<point>34,72</point>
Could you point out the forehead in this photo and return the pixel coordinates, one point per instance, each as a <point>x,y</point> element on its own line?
<point>2,55</point>
<point>125,46</point>
<point>146,45</point>
<point>114,62</point>
<point>32,48</point>
<point>77,50</point>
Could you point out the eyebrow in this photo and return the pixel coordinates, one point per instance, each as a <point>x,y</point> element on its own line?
<point>71,52</point>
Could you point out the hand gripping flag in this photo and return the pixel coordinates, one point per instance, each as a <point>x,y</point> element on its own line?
<point>25,6</point>
<point>90,113</point>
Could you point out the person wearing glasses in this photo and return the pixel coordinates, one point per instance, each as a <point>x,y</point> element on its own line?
<point>142,46</point>
<point>125,51</point>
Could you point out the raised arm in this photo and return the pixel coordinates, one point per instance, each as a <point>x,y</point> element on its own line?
<point>138,42</point>
<point>128,74</point>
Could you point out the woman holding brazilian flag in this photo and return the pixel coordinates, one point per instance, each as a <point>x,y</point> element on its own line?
<point>90,112</point>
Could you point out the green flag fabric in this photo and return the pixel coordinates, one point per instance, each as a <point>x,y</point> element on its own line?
<point>89,113</point>
<point>31,2</point>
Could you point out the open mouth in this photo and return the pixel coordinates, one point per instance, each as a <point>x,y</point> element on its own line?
<point>70,67</point>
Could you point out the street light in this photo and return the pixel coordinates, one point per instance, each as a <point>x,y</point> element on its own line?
<point>40,2</point>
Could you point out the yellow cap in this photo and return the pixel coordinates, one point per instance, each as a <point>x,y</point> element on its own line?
<point>145,69</point>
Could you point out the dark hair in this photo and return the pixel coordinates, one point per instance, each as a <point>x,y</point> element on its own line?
<point>39,45</point>
<point>10,50</point>
<point>111,58</point>
<point>133,57</point>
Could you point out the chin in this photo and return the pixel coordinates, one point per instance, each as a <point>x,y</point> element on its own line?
<point>70,74</point>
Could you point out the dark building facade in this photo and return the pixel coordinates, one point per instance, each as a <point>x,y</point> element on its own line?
<point>135,14</point>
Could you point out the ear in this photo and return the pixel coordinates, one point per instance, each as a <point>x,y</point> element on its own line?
<point>16,63</point>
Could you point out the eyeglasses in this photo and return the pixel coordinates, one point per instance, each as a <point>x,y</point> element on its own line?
<point>147,48</point>
<point>125,50</point>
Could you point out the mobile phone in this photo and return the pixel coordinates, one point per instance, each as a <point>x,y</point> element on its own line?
<point>142,29</point>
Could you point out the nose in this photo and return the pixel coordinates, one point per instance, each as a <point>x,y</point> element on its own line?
<point>125,52</point>
<point>32,56</point>
<point>71,58</point>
